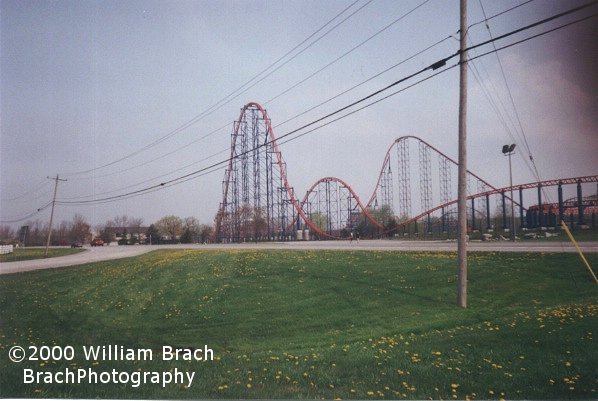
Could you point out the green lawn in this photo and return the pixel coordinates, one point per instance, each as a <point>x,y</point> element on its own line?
<point>315,324</point>
<point>36,253</point>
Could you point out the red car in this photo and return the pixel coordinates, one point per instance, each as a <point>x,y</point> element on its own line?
<point>97,242</point>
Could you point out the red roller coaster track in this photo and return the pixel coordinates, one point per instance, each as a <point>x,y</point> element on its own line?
<point>404,138</point>
<point>299,206</point>
<point>279,161</point>
<point>543,184</point>
<point>364,209</point>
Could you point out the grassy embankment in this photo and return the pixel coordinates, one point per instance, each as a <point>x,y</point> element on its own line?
<point>36,253</point>
<point>315,324</point>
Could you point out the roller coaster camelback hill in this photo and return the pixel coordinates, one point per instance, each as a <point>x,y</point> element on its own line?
<point>259,203</point>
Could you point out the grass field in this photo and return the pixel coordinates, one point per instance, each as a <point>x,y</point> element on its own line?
<point>36,253</point>
<point>315,324</point>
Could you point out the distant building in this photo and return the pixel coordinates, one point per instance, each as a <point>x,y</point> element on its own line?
<point>130,235</point>
<point>546,214</point>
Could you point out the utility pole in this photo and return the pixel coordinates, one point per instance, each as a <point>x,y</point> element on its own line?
<point>52,213</point>
<point>462,171</point>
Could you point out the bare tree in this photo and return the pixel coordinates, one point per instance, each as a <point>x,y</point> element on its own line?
<point>205,233</point>
<point>135,224</point>
<point>121,221</point>
<point>61,235</point>
<point>80,230</point>
<point>192,228</point>
<point>7,235</point>
<point>106,231</point>
<point>38,232</point>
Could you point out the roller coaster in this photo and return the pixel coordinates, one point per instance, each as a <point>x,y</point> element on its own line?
<point>259,204</point>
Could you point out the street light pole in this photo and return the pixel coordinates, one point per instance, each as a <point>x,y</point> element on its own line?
<point>512,202</point>
<point>508,150</point>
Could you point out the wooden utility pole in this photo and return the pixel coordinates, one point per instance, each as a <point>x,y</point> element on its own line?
<point>52,213</point>
<point>462,174</point>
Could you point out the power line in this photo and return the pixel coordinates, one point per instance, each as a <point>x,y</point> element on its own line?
<point>26,217</point>
<point>533,167</point>
<point>347,52</point>
<point>497,14</point>
<point>363,82</point>
<point>153,178</point>
<point>288,89</point>
<point>504,77</point>
<point>43,183</point>
<point>497,105</point>
<point>533,25</point>
<point>161,156</point>
<point>293,86</point>
<point>439,64</point>
<point>230,96</point>
<point>278,125</point>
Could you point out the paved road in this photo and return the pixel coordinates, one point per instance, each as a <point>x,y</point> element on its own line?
<point>117,252</point>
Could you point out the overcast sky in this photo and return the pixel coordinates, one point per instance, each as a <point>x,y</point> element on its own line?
<point>88,83</point>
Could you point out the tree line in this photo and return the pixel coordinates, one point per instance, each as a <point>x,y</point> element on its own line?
<point>125,230</point>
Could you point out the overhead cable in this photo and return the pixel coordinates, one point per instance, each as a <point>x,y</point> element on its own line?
<point>228,97</point>
<point>437,65</point>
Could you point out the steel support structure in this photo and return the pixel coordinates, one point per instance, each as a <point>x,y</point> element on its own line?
<point>386,188</point>
<point>561,206</point>
<point>425,181</point>
<point>404,178</point>
<point>483,206</point>
<point>444,169</point>
<point>521,219</point>
<point>259,204</point>
<point>256,204</point>
<point>580,219</point>
<point>540,207</point>
<point>488,219</point>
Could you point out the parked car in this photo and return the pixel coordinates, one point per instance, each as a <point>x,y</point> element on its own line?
<point>76,244</point>
<point>97,242</point>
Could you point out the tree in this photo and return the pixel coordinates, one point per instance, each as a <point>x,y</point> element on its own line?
<point>38,233</point>
<point>121,221</point>
<point>319,220</point>
<point>135,223</point>
<point>260,225</point>
<point>365,227</point>
<point>106,231</point>
<point>152,235</point>
<point>80,230</point>
<point>124,239</point>
<point>187,237</point>
<point>170,226</point>
<point>383,214</point>
<point>391,227</point>
<point>62,234</point>
<point>205,233</point>
<point>191,229</point>
<point>7,235</point>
